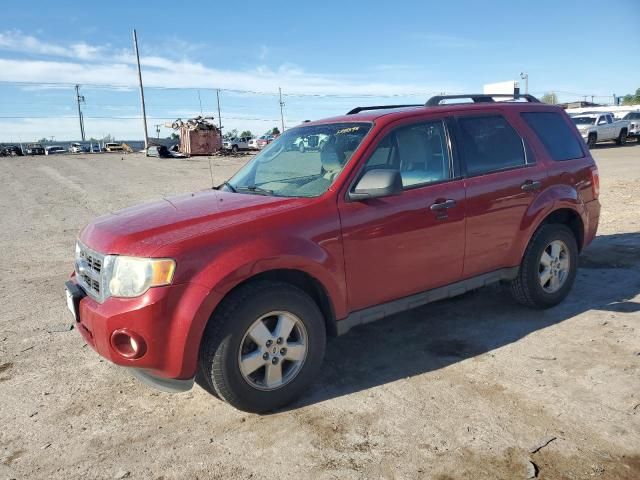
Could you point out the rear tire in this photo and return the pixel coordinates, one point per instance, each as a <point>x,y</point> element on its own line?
<point>234,149</point>
<point>237,366</point>
<point>544,278</point>
<point>591,140</point>
<point>622,138</point>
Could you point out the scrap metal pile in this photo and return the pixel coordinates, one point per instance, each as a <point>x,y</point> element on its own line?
<point>198,135</point>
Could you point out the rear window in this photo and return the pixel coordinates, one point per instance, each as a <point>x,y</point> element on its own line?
<point>555,135</point>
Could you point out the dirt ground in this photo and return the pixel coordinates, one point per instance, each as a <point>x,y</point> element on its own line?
<point>460,389</point>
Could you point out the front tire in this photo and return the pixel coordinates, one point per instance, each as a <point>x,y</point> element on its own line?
<point>591,140</point>
<point>622,138</point>
<point>263,346</point>
<point>234,149</point>
<point>548,267</point>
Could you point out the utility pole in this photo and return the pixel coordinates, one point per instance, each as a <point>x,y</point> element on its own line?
<point>80,98</point>
<point>200,102</point>
<point>219,117</point>
<point>158,129</point>
<point>281,105</point>
<point>525,76</point>
<point>144,111</point>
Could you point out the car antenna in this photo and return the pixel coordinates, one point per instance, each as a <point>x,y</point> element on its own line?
<point>211,173</point>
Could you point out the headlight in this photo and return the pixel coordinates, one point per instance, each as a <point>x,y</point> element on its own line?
<point>132,276</point>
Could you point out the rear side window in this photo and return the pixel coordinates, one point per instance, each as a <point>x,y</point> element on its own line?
<point>555,135</point>
<point>490,144</point>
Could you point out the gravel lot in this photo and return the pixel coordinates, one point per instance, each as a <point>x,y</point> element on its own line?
<point>464,388</point>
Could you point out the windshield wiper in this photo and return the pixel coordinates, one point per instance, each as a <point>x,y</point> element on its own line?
<point>229,186</point>
<point>254,189</point>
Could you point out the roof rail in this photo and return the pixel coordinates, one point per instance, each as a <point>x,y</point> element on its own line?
<point>480,98</point>
<point>381,107</point>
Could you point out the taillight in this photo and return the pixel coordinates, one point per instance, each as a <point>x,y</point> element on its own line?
<point>595,182</point>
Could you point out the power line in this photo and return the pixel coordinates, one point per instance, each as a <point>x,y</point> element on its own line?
<point>228,90</point>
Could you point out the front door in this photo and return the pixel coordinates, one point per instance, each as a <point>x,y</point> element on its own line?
<point>401,245</point>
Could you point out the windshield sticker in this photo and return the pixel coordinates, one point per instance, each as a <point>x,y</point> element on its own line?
<point>347,130</point>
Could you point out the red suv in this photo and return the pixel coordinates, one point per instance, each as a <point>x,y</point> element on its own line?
<point>240,285</point>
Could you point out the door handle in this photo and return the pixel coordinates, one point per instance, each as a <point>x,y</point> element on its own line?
<point>443,205</point>
<point>530,185</point>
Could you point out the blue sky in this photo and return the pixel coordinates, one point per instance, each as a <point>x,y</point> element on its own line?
<point>327,57</point>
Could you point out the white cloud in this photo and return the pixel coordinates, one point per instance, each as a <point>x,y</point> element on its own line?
<point>100,65</point>
<point>50,65</point>
<point>16,41</point>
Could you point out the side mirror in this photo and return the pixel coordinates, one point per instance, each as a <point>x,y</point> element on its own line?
<point>376,184</point>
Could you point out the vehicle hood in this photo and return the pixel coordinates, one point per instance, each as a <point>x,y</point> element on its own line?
<point>584,127</point>
<point>143,229</point>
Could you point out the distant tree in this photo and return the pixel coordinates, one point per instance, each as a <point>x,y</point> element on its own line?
<point>94,140</point>
<point>174,136</point>
<point>42,140</point>
<point>550,98</point>
<point>275,131</point>
<point>632,99</point>
<point>231,133</point>
<point>108,138</point>
<point>246,133</point>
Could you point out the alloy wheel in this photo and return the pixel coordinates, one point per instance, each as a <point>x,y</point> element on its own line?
<point>554,265</point>
<point>273,350</point>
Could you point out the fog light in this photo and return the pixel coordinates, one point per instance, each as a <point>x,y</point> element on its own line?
<point>128,344</point>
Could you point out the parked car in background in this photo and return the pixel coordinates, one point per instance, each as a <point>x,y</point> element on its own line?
<point>78,148</point>
<point>54,149</point>
<point>240,285</point>
<point>263,141</point>
<point>253,144</point>
<point>113,147</point>
<point>601,127</point>
<point>312,142</point>
<point>236,144</point>
<point>159,151</point>
<point>34,149</point>
<point>11,151</point>
<point>634,125</point>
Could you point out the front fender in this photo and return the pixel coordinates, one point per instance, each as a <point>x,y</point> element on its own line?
<point>240,263</point>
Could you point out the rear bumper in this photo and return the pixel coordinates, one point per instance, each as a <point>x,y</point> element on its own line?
<point>167,321</point>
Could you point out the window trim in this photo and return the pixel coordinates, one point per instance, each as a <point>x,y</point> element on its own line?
<point>463,162</point>
<point>454,171</point>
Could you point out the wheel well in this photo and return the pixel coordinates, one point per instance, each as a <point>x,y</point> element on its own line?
<point>571,219</point>
<point>306,283</point>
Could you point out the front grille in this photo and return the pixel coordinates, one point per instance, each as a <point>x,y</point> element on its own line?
<point>89,271</point>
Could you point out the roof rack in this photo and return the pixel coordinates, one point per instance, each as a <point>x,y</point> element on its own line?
<point>480,98</point>
<point>381,107</point>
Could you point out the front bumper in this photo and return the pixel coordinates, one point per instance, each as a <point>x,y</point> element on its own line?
<point>163,319</point>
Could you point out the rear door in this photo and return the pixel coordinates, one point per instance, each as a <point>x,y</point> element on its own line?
<point>502,180</point>
<point>400,245</point>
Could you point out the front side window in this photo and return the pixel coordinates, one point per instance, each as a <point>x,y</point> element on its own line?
<point>489,144</point>
<point>555,135</point>
<point>302,162</point>
<point>420,152</point>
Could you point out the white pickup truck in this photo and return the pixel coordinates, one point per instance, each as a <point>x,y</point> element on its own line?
<point>235,144</point>
<point>601,127</point>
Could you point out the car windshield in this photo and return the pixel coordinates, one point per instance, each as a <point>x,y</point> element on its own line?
<point>584,120</point>
<point>632,116</point>
<point>302,162</point>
